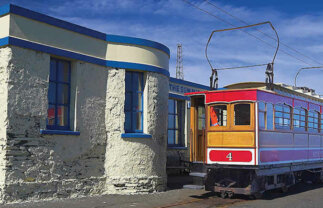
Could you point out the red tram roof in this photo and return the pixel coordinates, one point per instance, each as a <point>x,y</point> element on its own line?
<point>227,95</point>
<point>259,93</point>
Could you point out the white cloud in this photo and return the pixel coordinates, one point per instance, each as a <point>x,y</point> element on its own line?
<point>172,21</point>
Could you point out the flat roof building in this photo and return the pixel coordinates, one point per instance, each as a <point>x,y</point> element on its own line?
<point>83,112</point>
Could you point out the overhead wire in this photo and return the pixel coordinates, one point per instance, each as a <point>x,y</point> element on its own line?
<point>269,36</point>
<point>239,28</point>
<point>240,67</point>
<point>254,36</point>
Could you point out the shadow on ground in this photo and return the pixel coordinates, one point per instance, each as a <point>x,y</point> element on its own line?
<point>177,182</point>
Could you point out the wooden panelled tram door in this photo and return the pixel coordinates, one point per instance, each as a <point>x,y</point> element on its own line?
<point>200,133</point>
<point>197,129</point>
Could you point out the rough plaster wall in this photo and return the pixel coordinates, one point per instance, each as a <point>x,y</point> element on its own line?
<point>136,165</point>
<point>5,56</point>
<point>46,166</point>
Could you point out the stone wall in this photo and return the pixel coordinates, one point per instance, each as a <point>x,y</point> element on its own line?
<point>5,57</point>
<point>136,165</point>
<point>45,166</point>
<point>37,166</point>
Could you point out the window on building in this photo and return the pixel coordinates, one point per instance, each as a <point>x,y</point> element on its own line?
<point>299,119</point>
<point>175,122</point>
<point>282,116</point>
<point>262,115</point>
<point>134,102</point>
<point>270,116</point>
<point>241,114</point>
<point>58,112</point>
<point>313,121</point>
<point>218,115</point>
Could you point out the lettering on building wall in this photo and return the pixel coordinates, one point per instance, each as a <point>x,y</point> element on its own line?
<point>181,89</point>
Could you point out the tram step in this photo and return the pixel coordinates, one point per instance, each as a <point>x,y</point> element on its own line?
<point>197,167</point>
<point>198,174</point>
<point>191,186</point>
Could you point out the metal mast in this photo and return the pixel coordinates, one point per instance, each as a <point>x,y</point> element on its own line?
<point>179,63</point>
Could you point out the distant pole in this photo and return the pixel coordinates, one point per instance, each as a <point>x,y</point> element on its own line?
<point>179,63</point>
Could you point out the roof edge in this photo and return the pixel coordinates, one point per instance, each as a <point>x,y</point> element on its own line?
<point>14,9</point>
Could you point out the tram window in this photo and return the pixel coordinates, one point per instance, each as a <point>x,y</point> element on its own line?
<point>282,116</point>
<point>321,123</point>
<point>218,115</point>
<point>270,116</point>
<point>201,118</point>
<point>242,114</point>
<point>313,121</point>
<point>262,115</point>
<point>299,119</point>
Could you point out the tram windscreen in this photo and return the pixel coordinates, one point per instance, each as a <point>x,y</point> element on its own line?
<point>242,114</point>
<point>218,115</point>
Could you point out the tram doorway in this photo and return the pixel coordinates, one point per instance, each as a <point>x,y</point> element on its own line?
<point>197,129</point>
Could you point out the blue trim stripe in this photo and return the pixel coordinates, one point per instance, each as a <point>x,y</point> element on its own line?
<point>135,66</point>
<point>77,56</point>
<point>179,97</point>
<point>187,83</point>
<point>79,29</point>
<point>4,41</point>
<point>136,135</point>
<point>137,41</point>
<point>5,9</point>
<point>43,131</point>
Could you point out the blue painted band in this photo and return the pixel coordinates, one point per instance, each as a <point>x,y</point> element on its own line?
<point>5,9</point>
<point>187,83</point>
<point>60,132</point>
<point>135,66</point>
<point>179,97</point>
<point>10,8</point>
<point>4,41</point>
<point>77,56</point>
<point>138,41</point>
<point>135,135</point>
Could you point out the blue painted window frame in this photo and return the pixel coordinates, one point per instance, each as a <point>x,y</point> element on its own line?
<point>283,116</point>
<point>54,81</point>
<point>133,80</point>
<point>179,107</point>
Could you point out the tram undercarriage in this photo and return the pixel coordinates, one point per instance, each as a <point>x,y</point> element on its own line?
<point>228,181</point>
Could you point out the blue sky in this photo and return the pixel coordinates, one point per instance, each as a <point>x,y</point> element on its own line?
<point>299,24</point>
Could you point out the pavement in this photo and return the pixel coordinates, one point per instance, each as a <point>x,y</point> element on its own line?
<point>162,199</point>
<point>300,195</point>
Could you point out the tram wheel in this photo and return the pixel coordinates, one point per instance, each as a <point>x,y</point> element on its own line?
<point>230,194</point>
<point>223,194</point>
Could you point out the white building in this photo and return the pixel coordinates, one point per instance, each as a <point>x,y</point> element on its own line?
<point>84,112</point>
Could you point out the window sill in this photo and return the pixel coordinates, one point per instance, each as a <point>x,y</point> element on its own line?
<point>60,132</point>
<point>177,148</point>
<point>135,135</point>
